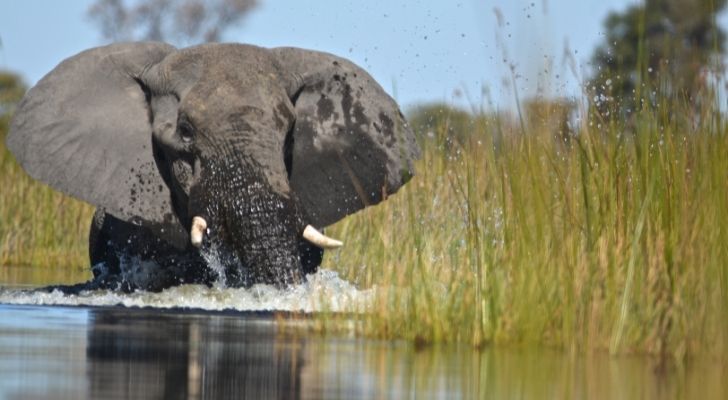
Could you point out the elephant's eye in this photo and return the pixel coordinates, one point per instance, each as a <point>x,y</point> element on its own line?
<point>185,131</point>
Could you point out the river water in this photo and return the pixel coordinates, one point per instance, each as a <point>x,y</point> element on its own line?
<point>197,342</point>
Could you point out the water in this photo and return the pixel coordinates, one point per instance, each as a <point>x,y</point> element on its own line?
<point>196,342</point>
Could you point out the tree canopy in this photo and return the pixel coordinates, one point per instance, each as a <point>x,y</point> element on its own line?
<point>175,21</point>
<point>659,47</point>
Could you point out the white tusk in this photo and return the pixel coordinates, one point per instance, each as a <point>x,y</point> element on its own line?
<point>199,225</point>
<point>319,239</point>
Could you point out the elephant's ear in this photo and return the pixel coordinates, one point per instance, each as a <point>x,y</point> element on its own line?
<point>84,129</point>
<point>351,146</point>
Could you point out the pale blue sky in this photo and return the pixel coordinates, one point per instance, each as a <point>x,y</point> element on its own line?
<point>420,51</point>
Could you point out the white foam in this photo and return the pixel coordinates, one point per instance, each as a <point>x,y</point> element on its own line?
<point>324,291</point>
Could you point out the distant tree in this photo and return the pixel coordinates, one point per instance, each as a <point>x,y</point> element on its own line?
<point>12,90</point>
<point>175,21</point>
<point>657,48</point>
<point>445,124</point>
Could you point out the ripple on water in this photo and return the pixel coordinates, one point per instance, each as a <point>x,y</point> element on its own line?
<point>324,291</point>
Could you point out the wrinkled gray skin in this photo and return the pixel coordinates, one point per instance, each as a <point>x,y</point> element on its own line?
<point>259,142</point>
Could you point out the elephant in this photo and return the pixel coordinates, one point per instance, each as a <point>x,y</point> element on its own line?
<point>213,163</point>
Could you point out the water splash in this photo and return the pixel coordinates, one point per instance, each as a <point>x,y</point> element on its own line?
<point>213,257</point>
<point>323,291</point>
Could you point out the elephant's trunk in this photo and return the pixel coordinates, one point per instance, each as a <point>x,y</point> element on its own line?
<point>243,215</point>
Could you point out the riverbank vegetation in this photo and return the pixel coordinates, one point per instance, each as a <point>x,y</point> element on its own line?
<point>608,236</point>
<point>39,227</point>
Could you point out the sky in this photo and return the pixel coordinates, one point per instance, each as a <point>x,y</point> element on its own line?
<point>461,52</point>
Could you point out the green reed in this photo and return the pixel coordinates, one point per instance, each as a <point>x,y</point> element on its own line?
<point>612,237</point>
<point>39,226</point>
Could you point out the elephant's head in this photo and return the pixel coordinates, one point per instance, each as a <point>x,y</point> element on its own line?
<point>229,143</point>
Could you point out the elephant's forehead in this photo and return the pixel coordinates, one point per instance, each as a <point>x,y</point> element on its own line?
<point>224,78</point>
<point>217,65</point>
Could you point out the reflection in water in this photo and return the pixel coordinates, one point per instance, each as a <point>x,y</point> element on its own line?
<point>179,356</point>
<point>115,352</point>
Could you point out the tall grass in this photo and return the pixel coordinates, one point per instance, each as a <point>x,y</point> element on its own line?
<point>39,226</point>
<point>611,238</point>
